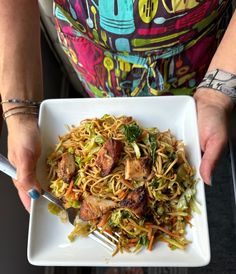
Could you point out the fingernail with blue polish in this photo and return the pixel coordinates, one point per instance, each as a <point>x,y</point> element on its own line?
<point>34,194</point>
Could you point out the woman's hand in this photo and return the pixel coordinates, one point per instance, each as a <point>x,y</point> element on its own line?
<point>213,108</point>
<point>21,78</point>
<point>23,152</point>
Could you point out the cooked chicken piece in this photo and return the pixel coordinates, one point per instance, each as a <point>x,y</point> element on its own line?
<point>109,155</point>
<point>136,201</point>
<point>137,169</point>
<point>93,207</point>
<point>66,167</point>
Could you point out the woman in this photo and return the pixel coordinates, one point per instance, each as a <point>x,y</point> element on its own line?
<point>119,48</point>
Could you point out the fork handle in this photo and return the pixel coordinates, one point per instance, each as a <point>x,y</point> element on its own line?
<point>7,167</point>
<point>47,195</point>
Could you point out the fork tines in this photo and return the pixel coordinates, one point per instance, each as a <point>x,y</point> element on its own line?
<point>107,240</point>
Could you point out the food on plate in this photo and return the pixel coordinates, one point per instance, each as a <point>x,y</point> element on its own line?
<point>125,179</point>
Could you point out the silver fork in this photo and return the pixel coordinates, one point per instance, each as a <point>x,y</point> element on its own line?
<point>107,240</point>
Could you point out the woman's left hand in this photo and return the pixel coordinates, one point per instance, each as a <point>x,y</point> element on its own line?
<point>213,109</point>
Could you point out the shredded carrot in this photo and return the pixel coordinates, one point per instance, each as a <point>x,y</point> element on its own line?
<point>131,244</point>
<point>104,219</point>
<point>108,230</point>
<point>133,240</point>
<point>149,235</point>
<point>122,195</point>
<point>72,196</point>
<point>147,224</point>
<point>69,189</point>
<point>150,246</point>
<point>128,184</point>
<point>188,219</point>
<point>166,231</point>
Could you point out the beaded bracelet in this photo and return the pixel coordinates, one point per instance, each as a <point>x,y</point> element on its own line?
<point>20,101</point>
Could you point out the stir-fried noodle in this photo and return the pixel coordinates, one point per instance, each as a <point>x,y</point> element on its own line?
<point>125,179</point>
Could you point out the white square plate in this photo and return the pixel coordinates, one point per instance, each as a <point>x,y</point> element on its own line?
<point>47,241</point>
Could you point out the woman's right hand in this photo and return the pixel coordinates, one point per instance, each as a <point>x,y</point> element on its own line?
<point>24,146</point>
<point>21,78</point>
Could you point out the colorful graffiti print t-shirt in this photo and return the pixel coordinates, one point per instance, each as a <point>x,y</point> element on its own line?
<point>140,47</point>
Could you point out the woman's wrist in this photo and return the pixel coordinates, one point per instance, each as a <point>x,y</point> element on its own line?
<point>221,81</point>
<point>19,107</point>
<point>15,123</point>
<point>20,110</point>
<point>209,96</point>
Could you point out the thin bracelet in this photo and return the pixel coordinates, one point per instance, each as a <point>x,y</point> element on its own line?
<point>19,101</point>
<point>20,112</point>
<point>20,107</point>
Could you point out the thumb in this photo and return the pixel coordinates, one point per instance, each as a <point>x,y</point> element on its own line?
<point>28,188</point>
<point>26,200</point>
<point>26,183</point>
<point>212,151</point>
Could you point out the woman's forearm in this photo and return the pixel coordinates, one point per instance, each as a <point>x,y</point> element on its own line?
<point>224,59</point>
<point>20,55</point>
<point>225,56</point>
<point>21,78</point>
